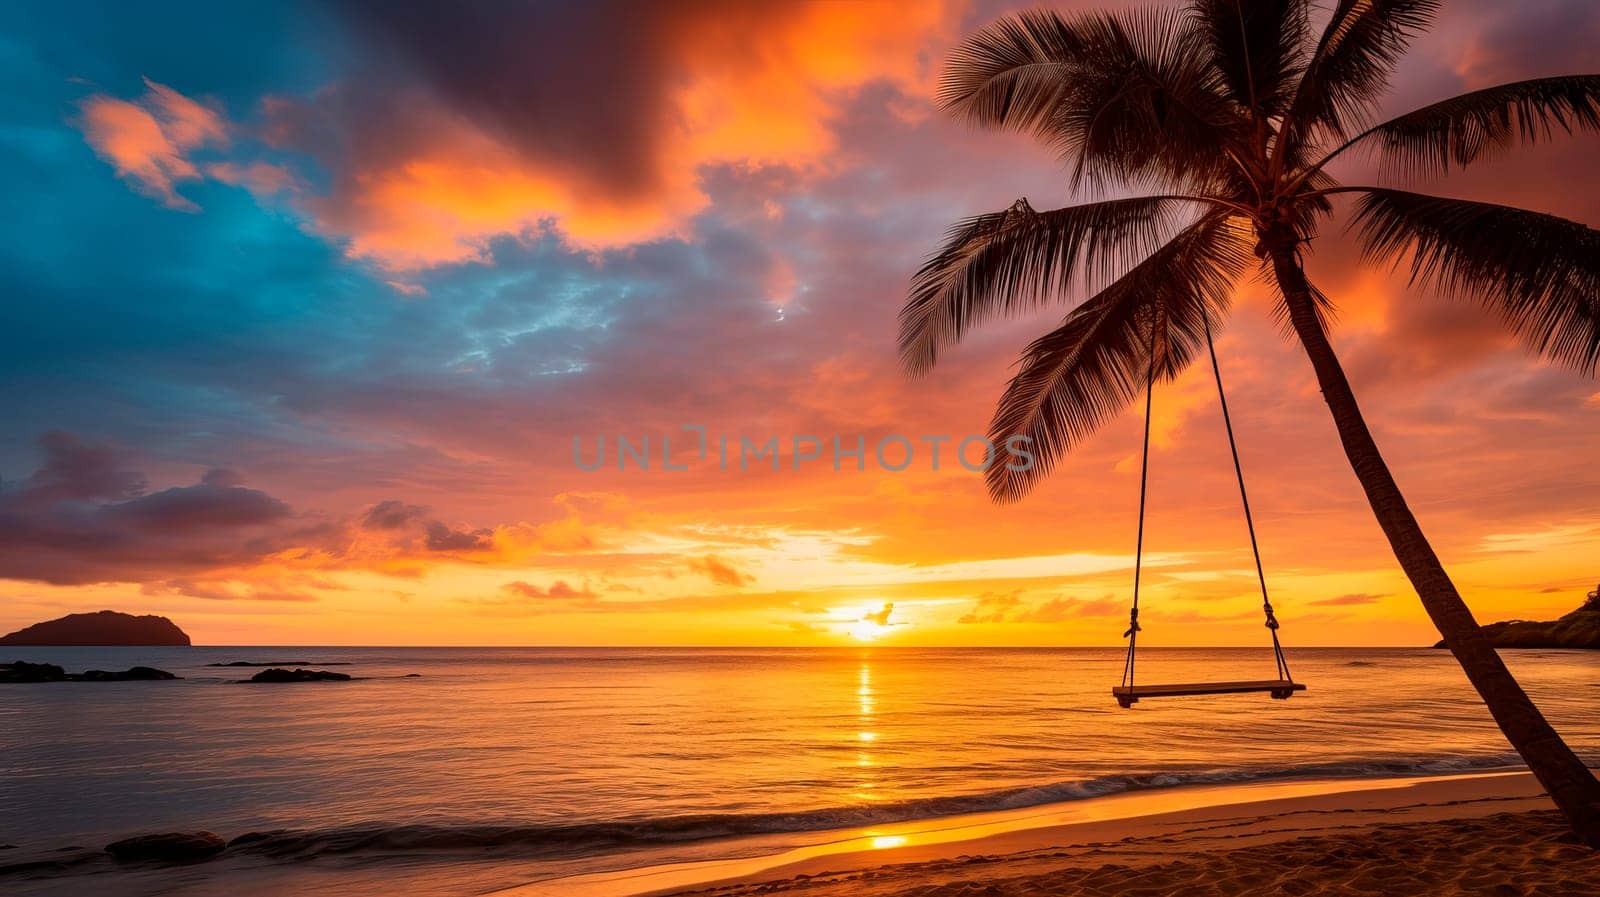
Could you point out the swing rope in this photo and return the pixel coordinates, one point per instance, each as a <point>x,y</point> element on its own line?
<point>1132,635</point>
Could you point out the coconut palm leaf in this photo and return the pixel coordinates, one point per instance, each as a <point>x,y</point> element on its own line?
<point>1539,272</point>
<point>1351,65</point>
<point>1149,322</point>
<point>1013,73</point>
<point>1010,261</point>
<point>1480,124</point>
<point>1151,108</point>
<point>1258,46</point>
<point>1122,97</point>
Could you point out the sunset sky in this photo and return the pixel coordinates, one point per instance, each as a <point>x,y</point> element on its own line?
<point>302,307</point>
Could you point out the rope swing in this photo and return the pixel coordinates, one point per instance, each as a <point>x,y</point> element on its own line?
<point>1128,693</point>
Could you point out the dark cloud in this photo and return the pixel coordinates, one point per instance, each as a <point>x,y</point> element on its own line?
<point>73,471</point>
<point>588,90</point>
<point>195,508</point>
<point>392,516</point>
<point>561,82</point>
<point>83,517</point>
<point>443,537</point>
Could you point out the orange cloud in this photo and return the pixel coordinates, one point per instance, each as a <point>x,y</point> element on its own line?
<point>719,571</point>
<point>755,86</point>
<point>444,204</point>
<point>147,140</point>
<point>558,590</point>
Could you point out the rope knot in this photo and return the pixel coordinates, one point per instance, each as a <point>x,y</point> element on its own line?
<point>1133,623</point>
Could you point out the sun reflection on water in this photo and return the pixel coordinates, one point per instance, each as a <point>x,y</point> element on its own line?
<point>866,735</point>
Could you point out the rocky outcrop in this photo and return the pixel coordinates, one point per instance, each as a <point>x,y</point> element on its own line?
<point>167,847</point>
<point>282,663</point>
<point>277,675</point>
<point>131,674</point>
<point>22,671</point>
<point>1579,629</point>
<point>105,628</point>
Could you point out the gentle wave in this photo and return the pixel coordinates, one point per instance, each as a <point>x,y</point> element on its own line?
<point>575,839</point>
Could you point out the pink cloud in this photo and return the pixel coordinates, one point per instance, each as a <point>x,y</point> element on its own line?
<point>558,590</point>
<point>147,141</point>
<point>260,178</point>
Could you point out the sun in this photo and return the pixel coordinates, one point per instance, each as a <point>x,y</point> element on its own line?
<point>867,630</point>
<point>871,622</point>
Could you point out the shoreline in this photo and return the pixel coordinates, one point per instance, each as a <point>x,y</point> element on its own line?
<point>1210,831</point>
<point>1006,842</point>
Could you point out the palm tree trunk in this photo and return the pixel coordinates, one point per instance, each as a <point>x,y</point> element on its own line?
<point>1563,775</point>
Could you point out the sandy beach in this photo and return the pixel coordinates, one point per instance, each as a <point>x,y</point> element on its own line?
<point>1483,834</point>
<point>1524,853</point>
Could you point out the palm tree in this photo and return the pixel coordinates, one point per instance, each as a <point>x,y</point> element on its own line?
<point>1229,113</point>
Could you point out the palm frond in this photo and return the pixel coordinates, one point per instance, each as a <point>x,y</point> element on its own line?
<point>1259,46</point>
<point>1151,109</point>
<point>1124,98</point>
<point>1012,73</point>
<point>1477,125</point>
<point>1541,273</point>
<point>1005,262</point>
<point>1352,63</point>
<point>1078,376</point>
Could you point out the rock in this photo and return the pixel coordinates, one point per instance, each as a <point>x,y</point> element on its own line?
<point>132,674</point>
<point>282,663</point>
<point>168,847</point>
<point>412,676</point>
<point>277,675</point>
<point>106,627</point>
<point>21,671</point>
<point>1579,629</point>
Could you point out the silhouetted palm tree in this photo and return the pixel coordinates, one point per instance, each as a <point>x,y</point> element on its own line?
<point>1230,111</point>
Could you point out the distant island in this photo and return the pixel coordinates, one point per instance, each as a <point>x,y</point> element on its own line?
<point>1579,629</point>
<point>105,628</point>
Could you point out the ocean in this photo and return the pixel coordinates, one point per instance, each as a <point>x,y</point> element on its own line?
<point>593,753</point>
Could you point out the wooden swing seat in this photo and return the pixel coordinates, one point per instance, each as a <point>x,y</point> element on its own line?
<point>1280,689</point>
